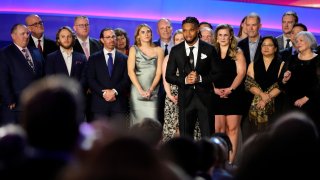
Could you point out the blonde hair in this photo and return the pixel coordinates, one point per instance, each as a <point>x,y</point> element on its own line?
<point>178,31</point>
<point>137,41</point>
<point>233,42</point>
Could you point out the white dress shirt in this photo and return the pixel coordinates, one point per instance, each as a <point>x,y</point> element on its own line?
<point>67,56</point>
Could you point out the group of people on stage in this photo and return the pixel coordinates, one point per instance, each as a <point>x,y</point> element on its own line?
<point>196,81</point>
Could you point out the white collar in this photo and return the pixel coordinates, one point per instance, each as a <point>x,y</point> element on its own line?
<point>113,52</point>
<point>195,45</point>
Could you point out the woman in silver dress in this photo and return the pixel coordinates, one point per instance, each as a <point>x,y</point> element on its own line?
<point>144,69</point>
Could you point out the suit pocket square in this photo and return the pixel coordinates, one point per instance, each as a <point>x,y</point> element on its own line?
<point>203,56</point>
<point>78,62</point>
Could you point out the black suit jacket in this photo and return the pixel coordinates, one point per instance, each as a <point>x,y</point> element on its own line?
<point>49,46</point>
<point>55,64</point>
<point>95,46</point>
<point>286,54</point>
<point>99,79</point>
<point>244,45</point>
<point>206,67</point>
<point>16,74</point>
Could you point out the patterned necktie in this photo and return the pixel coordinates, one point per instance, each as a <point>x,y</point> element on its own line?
<point>191,57</point>
<point>39,45</point>
<point>28,58</point>
<point>110,64</point>
<point>85,49</point>
<point>166,50</point>
<point>288,43</point>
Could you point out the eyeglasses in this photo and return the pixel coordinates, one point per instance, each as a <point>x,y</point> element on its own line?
<point>40,23</point>
<point>82,25</point>
<point>110,37</point>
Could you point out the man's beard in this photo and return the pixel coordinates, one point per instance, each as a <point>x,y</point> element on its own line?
<point>192,41</point>
<point>66,47</point>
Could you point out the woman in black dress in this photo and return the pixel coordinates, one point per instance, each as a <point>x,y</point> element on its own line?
<point>302,78</point>
<point>228,89</point>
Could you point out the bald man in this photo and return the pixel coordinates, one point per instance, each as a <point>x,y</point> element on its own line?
<point>37,39</point>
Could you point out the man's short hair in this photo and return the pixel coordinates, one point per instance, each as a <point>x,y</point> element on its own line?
<point>292,13</point>
<point>254,15</point>
<point>304,27</point>
<point>192,20</point>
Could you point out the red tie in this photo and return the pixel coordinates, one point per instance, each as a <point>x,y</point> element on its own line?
<point>39,45</point>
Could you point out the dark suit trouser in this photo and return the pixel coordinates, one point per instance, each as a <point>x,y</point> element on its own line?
<point>195,110</point>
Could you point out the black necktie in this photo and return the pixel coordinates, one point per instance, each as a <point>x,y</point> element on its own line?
<point>191,57</point>
<point>28,58</point>
<point>288,43</point>
<point>166,50</point>
<point>110,64</point>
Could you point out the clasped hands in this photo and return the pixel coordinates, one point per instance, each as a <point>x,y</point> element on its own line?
<point>192,78</point>
<point>223,92</point>
<point>146,94</point>
<point>109,95</point>
<point>264,99</point>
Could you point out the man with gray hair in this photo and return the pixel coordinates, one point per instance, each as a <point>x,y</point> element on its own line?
<point>250,45</point>
<point>164,29</point>
<point>251,50</point>
<point>206,35</point>
<point>84,44</point>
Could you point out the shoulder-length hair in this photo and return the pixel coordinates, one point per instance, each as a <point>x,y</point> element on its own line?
<point>68,29</point>
<point>120,32</point>
<point>232,52</point>
<point>137,40</point>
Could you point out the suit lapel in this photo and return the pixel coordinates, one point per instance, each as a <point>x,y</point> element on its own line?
<point>61,63</point>
<point>77,46</point>
<point>186,60</point>
<point>102,63</point>
<point>34,60</point>
<point>73,64</point>
<point>281,45</point>
<point>116,60</point>
<point>31,42</point>
<point>200,48</point>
